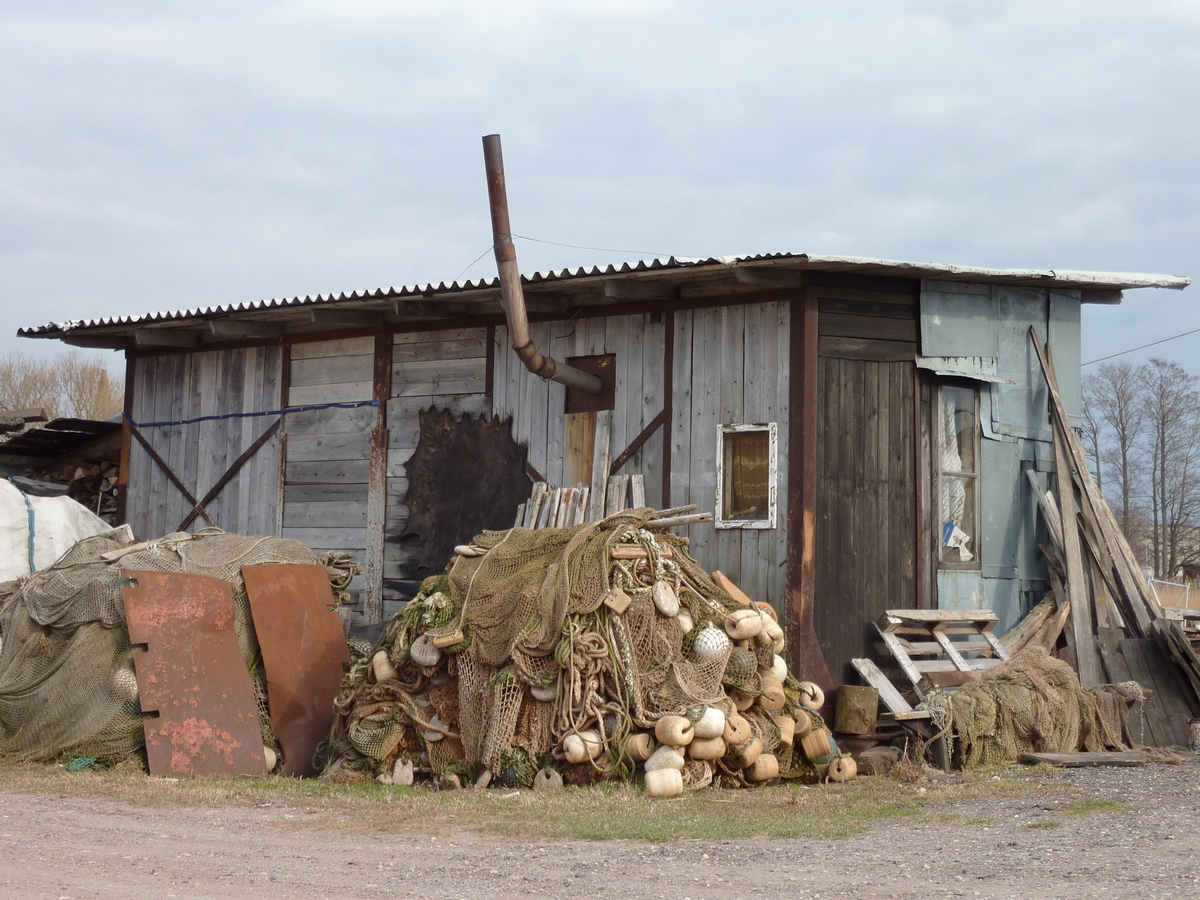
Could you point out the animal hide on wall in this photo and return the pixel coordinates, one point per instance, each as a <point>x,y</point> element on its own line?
<point>467,475</point>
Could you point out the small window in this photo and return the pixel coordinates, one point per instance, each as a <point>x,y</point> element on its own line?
<point>747,472</point>
<point>957,461</point>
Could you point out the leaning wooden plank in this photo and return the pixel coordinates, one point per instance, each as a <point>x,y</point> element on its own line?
<point>1109,640</point>
<point>1172,636</point>
<point>1078,760</point>
<point>676,521</point>
<point>721,580</point>
<point>637,491</point>
<point>600,462</point>
<point>1127,569</point>
<point>1049,512</point>
<point>1161,734</point>
<point>946,665</point>
<point>907,666</point>
<point>1087,657</point>
<point>891,697</point>
<point>1016,638</point>
<point>1047,635</point>
<point>1172,690</point>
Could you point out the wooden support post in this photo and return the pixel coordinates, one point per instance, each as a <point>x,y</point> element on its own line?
<point>804,649</point>
<point>126,441</point>
<point>668,403</point>
<point>377,481</point>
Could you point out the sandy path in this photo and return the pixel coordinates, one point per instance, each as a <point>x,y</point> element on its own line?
<point>59,847</point>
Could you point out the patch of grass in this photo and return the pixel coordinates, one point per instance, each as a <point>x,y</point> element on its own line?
<point>602,812</point>
<point>1090,805</point>
<point>1046,825</point>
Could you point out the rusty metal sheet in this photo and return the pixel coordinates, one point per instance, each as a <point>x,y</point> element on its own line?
<point>303,649</point>
<point>192,674</point>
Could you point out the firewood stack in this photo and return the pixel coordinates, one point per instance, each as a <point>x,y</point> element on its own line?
<point>93,486</point>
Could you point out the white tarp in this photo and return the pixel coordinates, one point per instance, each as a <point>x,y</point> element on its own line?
<point>58,522</point>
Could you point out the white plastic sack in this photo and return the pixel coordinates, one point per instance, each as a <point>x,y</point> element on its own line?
<point>58,522</point>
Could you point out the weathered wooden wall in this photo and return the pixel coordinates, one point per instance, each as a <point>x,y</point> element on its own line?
<point>866,516</point>
<point>187,386</point>
<point>730,367</point>
<point>866,549</point>
<point>430,370</point>
<point>537,406</point>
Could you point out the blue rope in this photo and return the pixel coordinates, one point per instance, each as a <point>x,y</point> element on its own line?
<point>247,415</point>
<point>32,530</point>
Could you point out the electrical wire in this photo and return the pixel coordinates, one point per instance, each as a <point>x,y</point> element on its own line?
<point>1143,347</point>
<point>653,253</point>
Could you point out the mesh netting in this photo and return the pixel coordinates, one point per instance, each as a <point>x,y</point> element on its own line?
<point>546,634</point>
<point>1031,704</point>
<point>67,683</point>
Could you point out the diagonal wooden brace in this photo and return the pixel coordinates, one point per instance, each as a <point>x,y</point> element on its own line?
<point>171,476</point>
<point>198,508</point>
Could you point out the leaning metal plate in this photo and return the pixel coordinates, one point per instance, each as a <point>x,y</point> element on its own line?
<point>303,649</point>
<point>193,675</point>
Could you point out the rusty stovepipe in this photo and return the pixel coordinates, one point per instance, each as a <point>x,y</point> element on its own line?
<point>511,294</point>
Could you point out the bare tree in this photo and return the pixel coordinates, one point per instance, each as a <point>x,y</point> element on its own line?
<point>74,383</point>
<point>1113,403</point>
<point>1171,406</point>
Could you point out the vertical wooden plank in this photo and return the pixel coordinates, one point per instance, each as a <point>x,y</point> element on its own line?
<point>377,481</point>
<point>668,392</point>
<point>600,462</point>
<point>926,598</point>
<point>1087,658</point>
<point>778,411</point>
<point>805,650</point>
<point>680,492</point>
<point>653,401</point>
<point>126,441</point>
<point>285,370</point>
<point>581,441</point>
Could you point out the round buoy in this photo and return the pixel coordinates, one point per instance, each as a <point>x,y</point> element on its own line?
<point>676,731</point>
<point>843,768</point>
<point>811,695</point>
<point>664,783</point>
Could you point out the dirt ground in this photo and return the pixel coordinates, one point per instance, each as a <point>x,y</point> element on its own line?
<point>1113,833</point>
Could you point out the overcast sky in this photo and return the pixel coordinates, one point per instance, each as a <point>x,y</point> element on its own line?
<point>163,155</point>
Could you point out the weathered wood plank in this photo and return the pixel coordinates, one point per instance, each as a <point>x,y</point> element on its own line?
<point>861,348</point>
<point>330,370</point>
<point>876,328</point>
<point>456,349</point>
<point>439,377</point>
<point>358,346</point>
<point>337,472</point>
<point>326,493</point>
<point>330,421</point>
<point>329,393</point>
<point>1081,760</point>
<point>326,514</point>
<point>316,447</point>
<point>329,538</point>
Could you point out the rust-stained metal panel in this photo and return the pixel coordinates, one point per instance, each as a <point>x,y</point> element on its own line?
<point>192,674</point>
<point>303,649</point>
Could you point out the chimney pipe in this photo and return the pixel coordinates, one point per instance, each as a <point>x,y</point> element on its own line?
<point>511,294</point>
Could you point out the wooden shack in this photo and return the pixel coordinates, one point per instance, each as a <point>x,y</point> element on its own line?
<point>861,429</point>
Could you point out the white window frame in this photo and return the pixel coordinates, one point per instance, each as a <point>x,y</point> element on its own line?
<point>772,430</point>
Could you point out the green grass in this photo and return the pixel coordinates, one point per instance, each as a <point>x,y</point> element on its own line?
<point>1089,805</point>
<point>1048,824</point>
<point>602,812</point>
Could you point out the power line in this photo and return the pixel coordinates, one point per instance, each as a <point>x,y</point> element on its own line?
<point>1143,347</point>
<point>653,253</point>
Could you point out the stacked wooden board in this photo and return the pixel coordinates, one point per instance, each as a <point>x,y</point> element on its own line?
<point>1116,631</point>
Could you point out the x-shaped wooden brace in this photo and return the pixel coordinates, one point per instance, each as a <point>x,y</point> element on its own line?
<point>198,505</point>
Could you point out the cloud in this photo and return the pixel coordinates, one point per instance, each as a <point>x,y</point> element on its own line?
<point>167,155</point>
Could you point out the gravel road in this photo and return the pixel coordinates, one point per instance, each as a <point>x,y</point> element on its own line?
<point>1126,833</point>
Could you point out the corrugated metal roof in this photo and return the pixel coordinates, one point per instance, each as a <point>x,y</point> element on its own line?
<point>1112,281</point>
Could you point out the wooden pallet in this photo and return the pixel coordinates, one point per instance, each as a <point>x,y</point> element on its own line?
<point>918,637</point>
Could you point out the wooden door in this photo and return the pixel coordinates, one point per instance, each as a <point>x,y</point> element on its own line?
<point>866,541</point>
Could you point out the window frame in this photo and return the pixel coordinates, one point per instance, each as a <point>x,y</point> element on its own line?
<point>772,518</point>
<point>940,475</point>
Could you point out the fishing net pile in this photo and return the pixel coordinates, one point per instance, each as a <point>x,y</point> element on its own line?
<point>1032,703</point>
<point>580,651</point>
<point>67,682</point>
